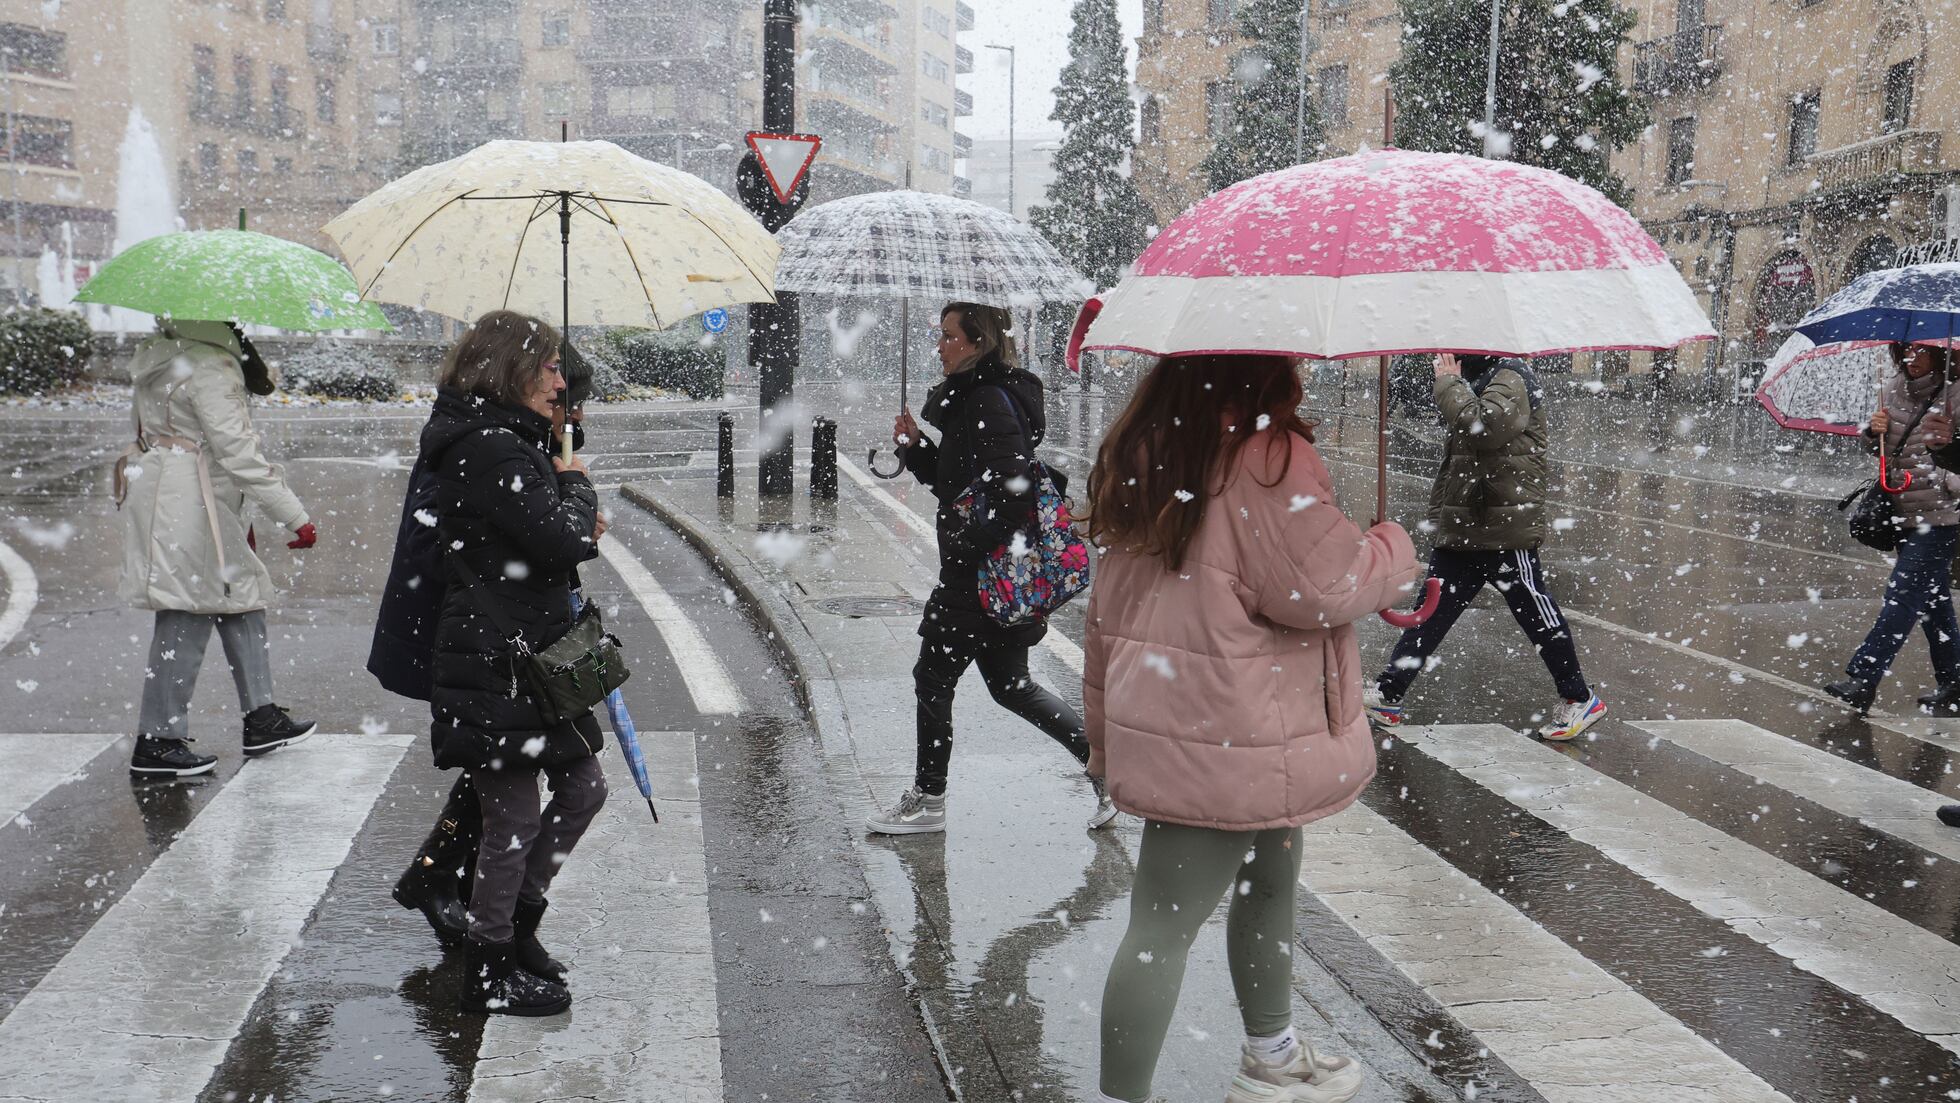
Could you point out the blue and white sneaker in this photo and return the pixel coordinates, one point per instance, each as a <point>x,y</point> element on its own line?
<point>1381,713</point>
<point>1571,719</point>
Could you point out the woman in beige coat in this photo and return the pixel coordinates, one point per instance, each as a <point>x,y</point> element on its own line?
<point>187,552</point>
<point>1222,685</point>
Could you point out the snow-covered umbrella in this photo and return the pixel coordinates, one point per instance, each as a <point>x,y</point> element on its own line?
<point>1394,251</point>
<point>908,244</point>
<point>1918,303</point>
<point>1824,388</point>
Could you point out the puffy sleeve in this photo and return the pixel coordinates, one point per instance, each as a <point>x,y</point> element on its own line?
<point>216,390</point>
<point>1486,421</point>
<point>1307,564</point>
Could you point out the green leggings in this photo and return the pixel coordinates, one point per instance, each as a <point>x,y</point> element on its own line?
<point>1181,873</point>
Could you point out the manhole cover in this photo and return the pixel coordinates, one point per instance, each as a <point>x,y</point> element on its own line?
<point>872,606</point>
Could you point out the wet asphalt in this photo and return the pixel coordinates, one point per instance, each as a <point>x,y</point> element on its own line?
<point>1696,595</point>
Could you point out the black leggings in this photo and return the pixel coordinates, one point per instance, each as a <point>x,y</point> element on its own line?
<point>1006,672</point>
<point>1516,574</point>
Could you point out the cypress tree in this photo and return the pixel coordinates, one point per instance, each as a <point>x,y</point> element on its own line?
<point>1265,98</point>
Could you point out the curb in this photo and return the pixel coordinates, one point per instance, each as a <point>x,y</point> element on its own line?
<point>810,670</point>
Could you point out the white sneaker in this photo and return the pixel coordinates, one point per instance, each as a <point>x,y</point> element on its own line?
<point>1245,1089</point>
<point>1380,712</point>
<point>1571,719</point>
<point>1315,1077</point>
<point>916,813</point>
<point>1105,808</point>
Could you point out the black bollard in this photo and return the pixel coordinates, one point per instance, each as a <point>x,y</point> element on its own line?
<point>823,460</point>
<point>725,457</point>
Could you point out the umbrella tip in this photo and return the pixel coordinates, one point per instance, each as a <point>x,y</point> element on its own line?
<point>652,809</point>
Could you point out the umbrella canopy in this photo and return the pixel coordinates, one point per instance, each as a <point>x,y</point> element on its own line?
<point>1393,252</point>
<point>1825,388</point>
<point>648,244</point>
<point>233,276</point>
<point>908,244</point>
<point>1918,303</point>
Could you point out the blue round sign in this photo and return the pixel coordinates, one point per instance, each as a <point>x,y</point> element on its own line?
<point>716,320</point>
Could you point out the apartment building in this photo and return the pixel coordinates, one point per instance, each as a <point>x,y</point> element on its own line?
<point>876,78</point>
<point>1796,143</point>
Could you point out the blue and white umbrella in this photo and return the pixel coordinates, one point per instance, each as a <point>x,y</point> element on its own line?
<point>1919,303</point>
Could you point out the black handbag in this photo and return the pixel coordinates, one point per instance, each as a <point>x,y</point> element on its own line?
<point>572,673</point>
<point>1874,519</point>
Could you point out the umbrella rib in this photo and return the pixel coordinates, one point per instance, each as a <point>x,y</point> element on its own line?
<point>737,253</point>
<point>517,254</point>
<point>406,238</point>
<point>627,245</point>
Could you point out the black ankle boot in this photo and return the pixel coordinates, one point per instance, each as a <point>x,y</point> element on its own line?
<point>530,952</point>
<point>437,882</point>
<point>269,727</point>
<point>494,985</point>
<point>1859,695</point>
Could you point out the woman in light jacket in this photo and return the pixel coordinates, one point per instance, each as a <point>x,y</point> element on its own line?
<point>1920,589</point>
<point>187,551</point>
<point>1223,690</point>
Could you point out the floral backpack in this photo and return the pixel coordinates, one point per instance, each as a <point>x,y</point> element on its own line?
<point>1045,563</point>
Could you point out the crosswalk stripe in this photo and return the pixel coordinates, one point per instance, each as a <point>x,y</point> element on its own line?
<point>1570,1028</point>
<point>1899,969</point>
<point>147,1002</point>
<point>23,590</point>
<point>38,763</point>
<point>1898,808</point>
<point>707,680</point>
<point>1940,732</point>
<point>630,915</point>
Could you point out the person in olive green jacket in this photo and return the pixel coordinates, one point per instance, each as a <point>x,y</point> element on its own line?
<point>1488,513</point>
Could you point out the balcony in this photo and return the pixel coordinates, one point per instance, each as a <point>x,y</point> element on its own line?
<point>486,56</point>
<point>1685,61</point>
<point>962,145</point>
<point>962,104</point>
<point>962,188</point>
<point>1876,160</point>
<point>964,12</point>
<point>962,60</point>
<point>323,43</point>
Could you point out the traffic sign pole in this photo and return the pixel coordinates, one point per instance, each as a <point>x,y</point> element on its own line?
<point>775,329</point>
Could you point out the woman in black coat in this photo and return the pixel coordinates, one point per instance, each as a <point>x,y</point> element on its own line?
<point>515,522</point>
<point>990,417</point>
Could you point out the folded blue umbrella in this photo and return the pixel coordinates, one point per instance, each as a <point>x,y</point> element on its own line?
<point>627,735</point>
<point>1917,303</point>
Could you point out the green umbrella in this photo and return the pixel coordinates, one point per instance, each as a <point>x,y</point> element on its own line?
<point>234,276</point>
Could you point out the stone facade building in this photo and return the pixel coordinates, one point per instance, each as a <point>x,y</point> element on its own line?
<point>1796,143</point>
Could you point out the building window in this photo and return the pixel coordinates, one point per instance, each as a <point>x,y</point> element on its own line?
<point>1333,100</point>
<point>282,167</point>
<point>1218,109</point>
<point>935,159</point>
<point>640,100</point>
<point>278,98</point>
<point>1680,150</point>
<point>40,141</point>
<point>496,105</point>
<point>207,158</point>
<point>204,82</point>
<point>555,100</point>
<point>34,52</point>
<point>934,67</point>
<point>243,77</point>
<point>1804,112</point>
<point>557,30</point>
<point>1153,16</point>
<point>935,115</point>
<point>1898,96</point>
<point>275,11</point>
<point>939,23</point>
<point>1151,120</point>
<point>387,39</point>
<point>248,162</point>
<point>1218,13</point>
<point>387,108</point>
<point>323,104</point>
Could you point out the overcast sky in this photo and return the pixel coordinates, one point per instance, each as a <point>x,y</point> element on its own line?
<point>1038,30</point>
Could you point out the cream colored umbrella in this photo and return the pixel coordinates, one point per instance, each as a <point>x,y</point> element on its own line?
<point>583,231</point>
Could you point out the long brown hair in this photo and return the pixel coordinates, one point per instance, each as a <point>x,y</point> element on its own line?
<point>500,356</point>
<point>1178,442</point>
<point>990,328</point>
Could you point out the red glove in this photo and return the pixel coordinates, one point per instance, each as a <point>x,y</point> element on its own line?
<point>305,537</point>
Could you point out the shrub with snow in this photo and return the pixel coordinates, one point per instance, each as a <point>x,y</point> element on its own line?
<point>333,370</point>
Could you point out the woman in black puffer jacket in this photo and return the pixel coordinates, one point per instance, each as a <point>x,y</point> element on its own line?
<point>990,417</point>
<point>515,522</point>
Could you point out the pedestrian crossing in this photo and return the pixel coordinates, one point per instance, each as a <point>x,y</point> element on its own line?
<point>1601,942</point>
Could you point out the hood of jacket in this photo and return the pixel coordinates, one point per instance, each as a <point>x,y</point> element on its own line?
<point>1021,385</point>
<point>459,413</point>
<point>175,338</point>
<point>1479,380</point>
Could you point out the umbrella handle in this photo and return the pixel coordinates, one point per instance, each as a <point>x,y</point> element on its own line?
<point>1432,596</point>
<point>1884,469</point>
<point>871,461</point>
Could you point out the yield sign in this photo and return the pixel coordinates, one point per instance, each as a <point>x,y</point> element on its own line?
<point>784,159</point>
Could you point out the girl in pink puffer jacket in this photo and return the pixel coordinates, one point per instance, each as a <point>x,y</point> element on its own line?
<point>1223,694</point>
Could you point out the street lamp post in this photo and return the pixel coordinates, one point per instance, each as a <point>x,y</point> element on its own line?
<point>1010,127</point>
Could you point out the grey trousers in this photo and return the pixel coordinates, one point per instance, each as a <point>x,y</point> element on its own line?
<point>522,849</point>
<point>176,654</point>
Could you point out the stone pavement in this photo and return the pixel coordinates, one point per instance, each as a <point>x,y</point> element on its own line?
<point>1003,926</point>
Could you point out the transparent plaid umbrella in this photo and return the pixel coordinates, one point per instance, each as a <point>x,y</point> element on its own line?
<point>907,244</point>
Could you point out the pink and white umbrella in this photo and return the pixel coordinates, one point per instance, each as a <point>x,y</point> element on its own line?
<point>1824,388</point>
<point>1394,251</point>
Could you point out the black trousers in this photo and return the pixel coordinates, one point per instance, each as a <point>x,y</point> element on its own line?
<point>1516,574</point>
<point>1005,670</point>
